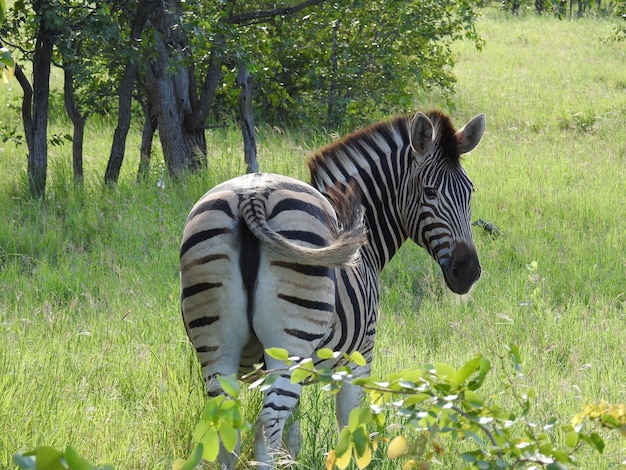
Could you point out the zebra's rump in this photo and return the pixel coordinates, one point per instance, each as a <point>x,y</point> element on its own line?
<point>257,268</point>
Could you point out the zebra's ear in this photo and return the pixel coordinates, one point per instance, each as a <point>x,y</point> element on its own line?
<point>469,136</point>
<point>422,133</point>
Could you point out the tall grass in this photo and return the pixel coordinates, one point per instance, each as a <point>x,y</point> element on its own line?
<point>92,348</point>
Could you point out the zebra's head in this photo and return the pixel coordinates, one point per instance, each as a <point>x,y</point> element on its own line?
<point>440,194</point>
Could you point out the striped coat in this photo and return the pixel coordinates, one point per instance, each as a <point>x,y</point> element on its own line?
<point>267,261</point>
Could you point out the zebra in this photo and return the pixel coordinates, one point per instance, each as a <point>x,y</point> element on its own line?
<point>267,261</point>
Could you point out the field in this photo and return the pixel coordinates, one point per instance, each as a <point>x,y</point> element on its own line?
<point>93,352</point>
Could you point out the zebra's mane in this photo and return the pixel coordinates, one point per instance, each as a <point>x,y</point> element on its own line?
<point>345,153</point>
<point>446,136</point>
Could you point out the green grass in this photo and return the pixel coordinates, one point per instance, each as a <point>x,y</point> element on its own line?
<point>93,352</point>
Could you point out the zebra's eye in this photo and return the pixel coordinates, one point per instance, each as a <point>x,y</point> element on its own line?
<point>430,192</point>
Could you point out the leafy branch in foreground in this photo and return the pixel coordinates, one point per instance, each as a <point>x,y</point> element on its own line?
<point>436,406</point>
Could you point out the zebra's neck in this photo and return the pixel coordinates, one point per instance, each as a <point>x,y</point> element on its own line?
<point>376,160</point>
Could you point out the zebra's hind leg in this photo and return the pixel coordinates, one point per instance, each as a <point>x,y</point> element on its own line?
<point>278,404</point>
<point>350,397</point>
<point>293,438</point>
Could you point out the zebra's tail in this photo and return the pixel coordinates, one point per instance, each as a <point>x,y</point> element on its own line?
<point>349,232</point>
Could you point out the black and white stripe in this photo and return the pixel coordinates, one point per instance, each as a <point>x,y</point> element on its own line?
<point>267,261</point>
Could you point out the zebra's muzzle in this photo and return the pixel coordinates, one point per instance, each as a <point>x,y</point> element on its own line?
<point>462,269</point>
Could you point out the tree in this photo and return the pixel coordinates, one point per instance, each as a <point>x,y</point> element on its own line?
<point>87,72</point>
<point>184,74</point>
<point>136,19</point>
<point>314,61</point>
<point>57,33</point>
<point>364,59</point>
<point>44,26</point>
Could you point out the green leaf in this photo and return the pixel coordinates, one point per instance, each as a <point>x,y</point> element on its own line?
<point>596,441</point>
<point>556,466</point>
<point>561,456</point>
<point>609,420</point>
<point>361,381</point>
<point>279,354</point>
<point>229,436</point>
<point>379,419</point>
<point>299,375</point>
<point>473,398</point>
<point>211,444</point>
<point>49,458</point>
<point>344,443</point>
<point>237,418</point>
<point>365,415</point>
<point>415,399</point>
<point>201,429</point>
<point>6,58</point>
<point>468,369</point>
<point>358,358</point>
<point>359,417</point>
<point>326,353</point>
<point>362,447</point>
<point>445,372</point>
<point>230,385</point>
<point>75,462</point>
<point>515,356</point>
<point>469,457</point>
<point>360,440</point>
<point>211,409</point>
<point>476,382</point>
<point>571,439</point>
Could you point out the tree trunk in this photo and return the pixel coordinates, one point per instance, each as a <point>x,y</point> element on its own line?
<point>244,81</point>
<point>114,165</point>
<point>78,120</point>
<point>116,157</point>
<point>27,105</point>
<point>147,135</point>
<point>38,143</point>
<point>184,148</point>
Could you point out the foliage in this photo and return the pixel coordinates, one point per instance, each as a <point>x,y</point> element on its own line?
<point>355,57</point>
<point>88,41</point>
<point>7,63</point>
<point>346,62</point>
<point>49,458</point>
<point>619,33</point>
<point>437,406</point>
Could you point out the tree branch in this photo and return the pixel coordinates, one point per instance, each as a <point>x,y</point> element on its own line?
<point>260,16</point>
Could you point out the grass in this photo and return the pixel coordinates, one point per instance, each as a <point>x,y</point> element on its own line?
<point>92,349</point>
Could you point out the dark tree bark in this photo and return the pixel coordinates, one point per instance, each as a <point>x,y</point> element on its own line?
<point>147,135</point>
<point>114,165</point>
<point>244,81</point>
<point>27,105</point>
<point>35,107</point>
<point>184,146</point>
<point>116,156</point>
<point>78,120</point>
